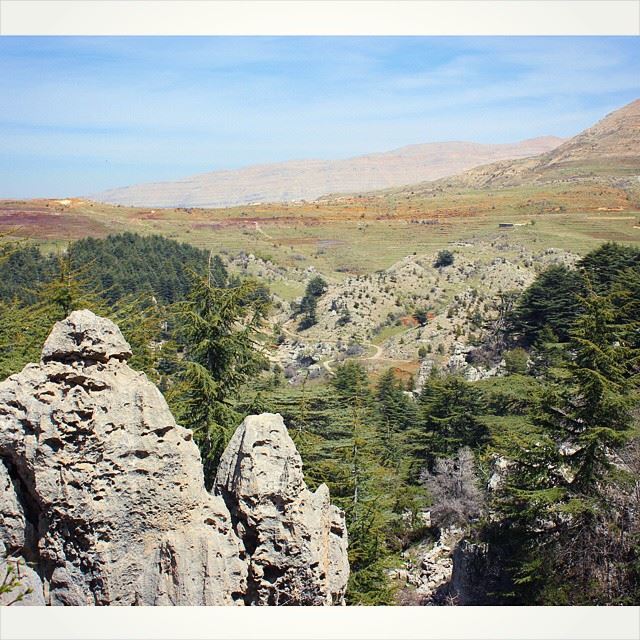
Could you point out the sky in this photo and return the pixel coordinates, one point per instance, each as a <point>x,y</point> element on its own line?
<point>83,114</point>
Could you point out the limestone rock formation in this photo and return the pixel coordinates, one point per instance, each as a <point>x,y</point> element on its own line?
<point>295,539</point>
<point>103,499</point>
<point>13,531</point>
<point>109,488</point>
<point>428,569</point>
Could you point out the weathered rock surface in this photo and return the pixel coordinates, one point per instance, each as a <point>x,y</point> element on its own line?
<point>13,531</point>
<point>103,499</point>
<point>109,488</point>
<point>428,569</point>
<point>295,539</point>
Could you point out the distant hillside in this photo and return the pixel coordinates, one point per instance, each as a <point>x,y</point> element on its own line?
<point>611,147</point>
<point>310,179</point>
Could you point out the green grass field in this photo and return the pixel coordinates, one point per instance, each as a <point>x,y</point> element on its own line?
<point>358,234</point>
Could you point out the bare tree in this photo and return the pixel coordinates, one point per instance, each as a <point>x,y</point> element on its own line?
<point>453,486</point>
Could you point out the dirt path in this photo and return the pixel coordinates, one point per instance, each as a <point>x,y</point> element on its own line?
<point>377,356</point>
<point>327,367</point>
<point>260,230</point>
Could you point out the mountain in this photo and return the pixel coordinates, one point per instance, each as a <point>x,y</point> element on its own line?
<point>310,179</point>
<point>611,148</point>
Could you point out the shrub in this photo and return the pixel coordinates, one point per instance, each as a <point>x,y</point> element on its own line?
<point>516,360</point>
<point>454,490</point>
<point>443,259</point>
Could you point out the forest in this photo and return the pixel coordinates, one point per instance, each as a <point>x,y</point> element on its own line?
<point>540,466</point>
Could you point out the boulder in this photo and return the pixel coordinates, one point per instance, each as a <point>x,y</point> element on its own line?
<point>84,336</point>
<point>296,540</point>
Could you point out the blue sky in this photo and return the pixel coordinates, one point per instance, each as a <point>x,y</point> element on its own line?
<point>78,115</point>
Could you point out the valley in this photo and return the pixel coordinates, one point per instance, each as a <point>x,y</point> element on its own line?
<point>444,355</point>
<point>375,251</point>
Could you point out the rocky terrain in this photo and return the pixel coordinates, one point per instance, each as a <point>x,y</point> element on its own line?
<point>375,317</point>
<point>296,540</point>
<point>310,179</point>
<point>103,499</point>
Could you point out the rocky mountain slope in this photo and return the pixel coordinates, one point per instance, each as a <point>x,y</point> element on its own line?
<point>374,316</point>
<point>610,147</point>
<point>103,499</point>
<point>310,179</point>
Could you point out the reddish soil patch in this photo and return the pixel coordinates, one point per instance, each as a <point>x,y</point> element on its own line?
<point>43,223</point>
<point>409,321</point>
<point>150,215</point>
<point>402,374</point>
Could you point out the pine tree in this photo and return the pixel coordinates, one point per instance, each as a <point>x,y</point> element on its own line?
<point>603,266</point>
<point>552,300</point>
<point>367,494</point>
<point>597,416</point>
<point>140,319</point>
<point>449,419</point>
<point>24,328</point>
<point>315,288</point>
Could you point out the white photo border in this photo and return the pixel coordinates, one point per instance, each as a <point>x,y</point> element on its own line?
<point>320,17</point>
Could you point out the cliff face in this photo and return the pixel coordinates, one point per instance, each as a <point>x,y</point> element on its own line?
<point>103,499</point>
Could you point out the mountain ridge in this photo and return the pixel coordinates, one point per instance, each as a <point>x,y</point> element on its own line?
<point>611,147</point>
<point>309,179</point>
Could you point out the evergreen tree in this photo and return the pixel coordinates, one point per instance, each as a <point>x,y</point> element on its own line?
<point>366,492</point>
<point>555,493</point>
<point>24,328</point>
<point>120,265</point>
<point>315,288</point>
<point>449,419</point>
<point>625,298</point>
<point>603,265</point>
<point>219,329</point>
<point>551,301</point>
<point>443,259</point>
<point>397,414</point>
<point>597,415</point>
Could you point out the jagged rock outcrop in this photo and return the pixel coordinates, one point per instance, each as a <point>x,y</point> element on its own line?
<point>110,489</point>
<point>295,539</point>
<point>103,499</point>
